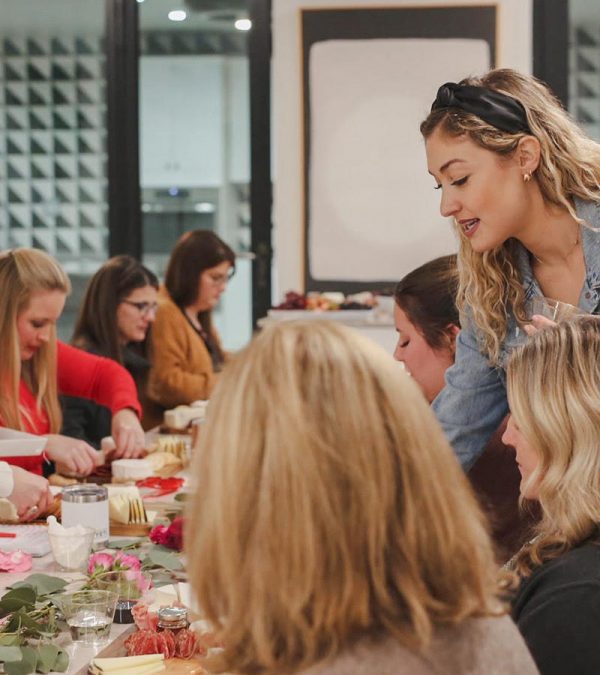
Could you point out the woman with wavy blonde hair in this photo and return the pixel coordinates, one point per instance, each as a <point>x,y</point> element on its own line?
<point>332,530</point>
<point>35,367</point>
<point>522,183</point>
<point>554,395</point>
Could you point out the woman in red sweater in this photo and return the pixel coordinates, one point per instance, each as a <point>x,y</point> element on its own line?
<point>35,367</point>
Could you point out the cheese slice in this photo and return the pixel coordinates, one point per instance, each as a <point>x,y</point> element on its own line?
<point>118,509</point>
<point>8,511</point>
<point>130,665</point>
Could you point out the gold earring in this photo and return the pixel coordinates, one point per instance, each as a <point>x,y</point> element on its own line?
<point>526,177</point>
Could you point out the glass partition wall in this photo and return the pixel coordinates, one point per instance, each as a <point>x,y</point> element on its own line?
<point>53,135</point>
<point>194,140</point>
<point>584,64</point>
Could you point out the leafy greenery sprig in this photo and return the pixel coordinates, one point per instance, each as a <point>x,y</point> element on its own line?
<point>28,614</point>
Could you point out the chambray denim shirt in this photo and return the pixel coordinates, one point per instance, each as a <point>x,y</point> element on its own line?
<point>473,402</point>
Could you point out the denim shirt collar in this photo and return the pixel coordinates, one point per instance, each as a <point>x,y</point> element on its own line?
<point>589,299</point>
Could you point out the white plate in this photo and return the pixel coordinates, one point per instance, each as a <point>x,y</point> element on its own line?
<point>342,315</point>
<point>19,444</point>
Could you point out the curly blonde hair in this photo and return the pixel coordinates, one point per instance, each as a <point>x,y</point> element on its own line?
<point>557,412</point>
<point>329,506</point>
<point>490,285</point>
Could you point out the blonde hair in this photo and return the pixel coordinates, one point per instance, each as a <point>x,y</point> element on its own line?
<point>556,409</point>
<point>24,272</point>
<point>490,285</point>
<point>328,506</point>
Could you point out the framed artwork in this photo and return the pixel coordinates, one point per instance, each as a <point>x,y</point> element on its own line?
<point>369,76</point>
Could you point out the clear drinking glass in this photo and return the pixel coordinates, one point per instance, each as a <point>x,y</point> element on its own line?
<point>89,614</point>
<point>130,586</point>
<point>555,310</point>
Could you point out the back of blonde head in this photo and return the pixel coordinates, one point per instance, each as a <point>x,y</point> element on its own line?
<point>557,410</point>
<point>328,505</point>
<point>24,272</point>
<point>490,286</point>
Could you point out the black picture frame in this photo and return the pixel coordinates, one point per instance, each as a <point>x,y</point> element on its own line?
<point>359,23</point>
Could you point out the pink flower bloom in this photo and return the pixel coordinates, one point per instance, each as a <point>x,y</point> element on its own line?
<point>142,581</point>
<point>17,561</point>
<point>171,536</point>
<point>99,562</point>
<point>126,561</point>
<point>158,534</point>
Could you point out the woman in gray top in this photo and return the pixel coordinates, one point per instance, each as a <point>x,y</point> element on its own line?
<point>334,528</point>
<point>522,183</point>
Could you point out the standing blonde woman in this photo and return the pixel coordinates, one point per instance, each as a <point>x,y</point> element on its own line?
<point>332,530</point>
<point>554,396</point>
<point>35,367</point>
<point>522,183</point>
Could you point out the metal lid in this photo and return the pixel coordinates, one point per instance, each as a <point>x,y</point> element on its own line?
<point>83,494</point>
<point>172,615</point>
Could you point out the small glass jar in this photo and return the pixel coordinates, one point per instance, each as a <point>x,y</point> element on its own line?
<point>173,618</point>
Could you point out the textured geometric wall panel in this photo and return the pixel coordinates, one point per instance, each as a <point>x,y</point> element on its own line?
<point>584,77</point>
<point>53,145</point>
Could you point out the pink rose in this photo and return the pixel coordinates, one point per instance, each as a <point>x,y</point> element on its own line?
<point>142,581</point>
<point>17,561</point>
<point>159,535</point>
<point>171,536</point>
<point>127,561</point>
<point>99,562</point>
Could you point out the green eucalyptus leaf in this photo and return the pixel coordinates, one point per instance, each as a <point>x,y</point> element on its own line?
<point>124,543</point>
<point>163,558</point>
<point>43,584</point>
<point>182,496</point>
<point>10,654</point>
<point>62,661</point>
<point>31,624</point>
<point>14,625</point>
<point>10,639</point>
<point>25,666</point>
<point>11,601</point>
<point>46,658</point>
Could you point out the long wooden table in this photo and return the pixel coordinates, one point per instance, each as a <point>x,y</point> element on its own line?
<point>79,655</point>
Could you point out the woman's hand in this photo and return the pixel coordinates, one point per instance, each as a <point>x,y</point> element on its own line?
<point>538,322</point>
<point>31,494</point>
<point>72,456</point>
<point>127,434</point>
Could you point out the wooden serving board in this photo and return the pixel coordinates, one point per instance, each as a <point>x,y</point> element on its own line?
<point>172,666</point>
<point>129,529</point>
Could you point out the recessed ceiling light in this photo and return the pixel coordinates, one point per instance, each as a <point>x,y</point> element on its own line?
<point>177,15</point>
<point>243,24</point>
<point>140,1</point>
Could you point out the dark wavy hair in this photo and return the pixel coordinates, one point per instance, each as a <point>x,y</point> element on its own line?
<point>96,324</point>
<point>428,297</point>
<point>195,252</point>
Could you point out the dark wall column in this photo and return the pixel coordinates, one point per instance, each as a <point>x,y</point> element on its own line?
<point>125,232</point>
<point>551,45</point>
<point>259,52</point>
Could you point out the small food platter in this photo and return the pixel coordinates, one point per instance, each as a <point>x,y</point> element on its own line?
<point>173,666</point>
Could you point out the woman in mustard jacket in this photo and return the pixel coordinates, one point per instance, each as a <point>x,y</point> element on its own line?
<point>186,350</point>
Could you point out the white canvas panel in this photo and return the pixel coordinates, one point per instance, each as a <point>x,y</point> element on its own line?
<point>373,213</point>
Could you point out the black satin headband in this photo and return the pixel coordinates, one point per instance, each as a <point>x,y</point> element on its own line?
<point>501,111</point>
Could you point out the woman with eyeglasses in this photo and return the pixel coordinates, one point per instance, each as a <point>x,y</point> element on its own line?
<point>186,350</point>
<point>117,310</point>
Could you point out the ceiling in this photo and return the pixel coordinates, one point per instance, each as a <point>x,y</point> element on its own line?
<point>68,17</point>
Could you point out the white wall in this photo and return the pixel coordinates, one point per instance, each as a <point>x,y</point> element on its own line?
<point>514,49</point>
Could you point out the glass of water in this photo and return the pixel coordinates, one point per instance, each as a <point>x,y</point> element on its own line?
<point>89,614</point>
